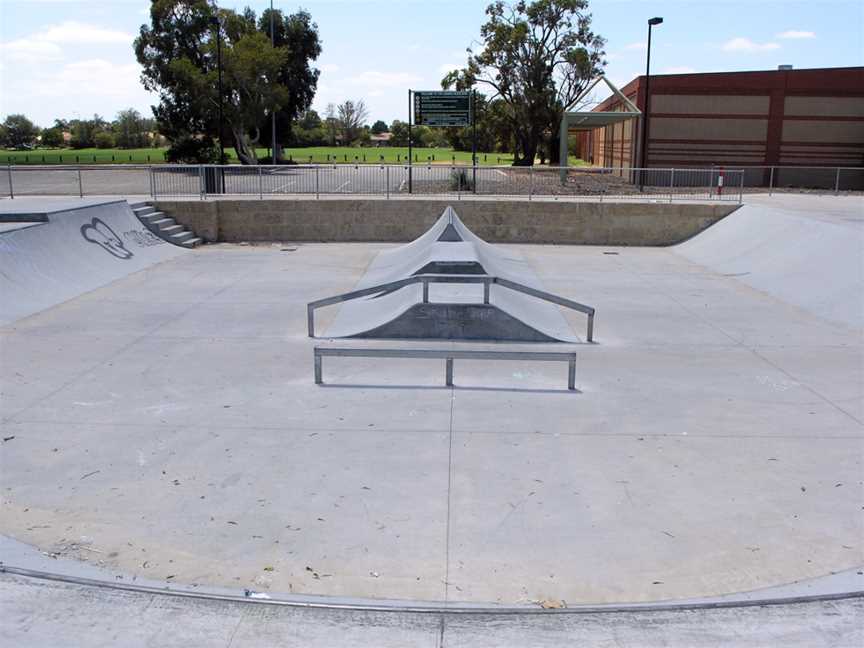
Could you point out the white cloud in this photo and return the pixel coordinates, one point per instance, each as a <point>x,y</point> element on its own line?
<point>93,73</point>
<point>449,67</point>
<point>329,67</point>
<point>679,69</point>
<point>637,46</point>
<point>29,51</point>
<point>795,33</point>
<point>741,44</point>
<point>72,31</point>
<point>375,79</point>
<point>46,92</point>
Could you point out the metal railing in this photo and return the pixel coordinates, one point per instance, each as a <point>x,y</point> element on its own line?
<point>796,178</point>
<point>386,181</point>
<point>448,355</point>
<point>404,181</point>
<point>426,279</point>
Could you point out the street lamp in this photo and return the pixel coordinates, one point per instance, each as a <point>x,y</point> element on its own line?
<point>647,108</point>
<point>218,25</point>
<point>272,112</point>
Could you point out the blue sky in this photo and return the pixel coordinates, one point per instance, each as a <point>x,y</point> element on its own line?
<point>74,58</point>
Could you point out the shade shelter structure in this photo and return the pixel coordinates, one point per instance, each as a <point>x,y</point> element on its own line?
<point>589,120</point>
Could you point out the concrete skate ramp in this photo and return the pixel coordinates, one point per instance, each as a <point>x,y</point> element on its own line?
<point>812,261</point>
<point>72,247</point>
<point>449,247</point>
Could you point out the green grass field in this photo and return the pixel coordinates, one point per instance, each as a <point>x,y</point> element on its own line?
<point>313,155</point>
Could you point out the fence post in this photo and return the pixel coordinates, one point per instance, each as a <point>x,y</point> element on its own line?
<point>260,184</point>
<point>80,184</point>
<point>771,182</point>
<point>530,182</point>
<point>671,183</point>
<point>11,191</point>
<point>837,182</point>
<point>152,182</point>
<point>202,185</point>
<point>741,187</point>
<point>317,191</point>
<point>387,180</point>
<point>458,181</point>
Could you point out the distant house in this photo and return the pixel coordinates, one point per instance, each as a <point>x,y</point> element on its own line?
<point>382,139</point>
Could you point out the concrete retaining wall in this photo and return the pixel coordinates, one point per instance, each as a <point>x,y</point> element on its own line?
<point>497,221</point>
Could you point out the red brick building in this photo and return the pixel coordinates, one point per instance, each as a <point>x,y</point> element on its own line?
<point>772,118</point>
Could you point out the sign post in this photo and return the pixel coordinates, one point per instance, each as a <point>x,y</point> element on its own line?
<point>410,157</point>
<point>474,141</point>
<point>443,108</point>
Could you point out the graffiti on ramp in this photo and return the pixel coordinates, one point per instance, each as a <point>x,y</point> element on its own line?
<point>98,232</point>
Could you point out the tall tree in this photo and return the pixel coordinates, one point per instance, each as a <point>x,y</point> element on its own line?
<point>352,116</point>
<point>19,132</point>
<point>379,127</point>
<point>179,54</point>
<point>538,57</point>
<point>299,35</point>
<point>52,138</point>
<point>131,129</point>
<point>180,30</point>
<point>84,131</point>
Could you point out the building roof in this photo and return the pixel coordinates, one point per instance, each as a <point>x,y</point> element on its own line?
<point>587,120</point>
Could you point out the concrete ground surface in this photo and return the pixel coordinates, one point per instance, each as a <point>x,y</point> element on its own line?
<point>166,426</point>
<point>40,613</point>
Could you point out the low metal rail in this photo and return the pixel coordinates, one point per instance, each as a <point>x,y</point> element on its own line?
<point>448,355</point>
<point>426,279</point>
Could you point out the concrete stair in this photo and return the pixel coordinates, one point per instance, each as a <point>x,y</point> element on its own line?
<point>164,226</point>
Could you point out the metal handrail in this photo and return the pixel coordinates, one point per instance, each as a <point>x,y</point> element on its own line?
<point>426,279</point>
<point>448,355</point>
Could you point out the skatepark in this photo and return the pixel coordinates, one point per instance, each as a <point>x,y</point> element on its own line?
<point>162,429</point>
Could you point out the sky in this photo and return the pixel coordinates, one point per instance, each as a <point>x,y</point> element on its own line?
<point>69,59</point>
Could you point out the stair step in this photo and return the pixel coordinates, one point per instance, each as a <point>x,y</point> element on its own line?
<point>192,242</point>
<point>150,218</point>
<point>179,237</point>
<point>170,230</point>
<point>138,205</point>
<point>143,211</point>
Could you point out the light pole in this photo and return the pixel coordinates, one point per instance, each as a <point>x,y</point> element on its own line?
<point>218,25</point>
<point>647,108</point>
<point>272,112</point>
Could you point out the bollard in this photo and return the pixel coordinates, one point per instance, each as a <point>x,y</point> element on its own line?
<point>671,183</point>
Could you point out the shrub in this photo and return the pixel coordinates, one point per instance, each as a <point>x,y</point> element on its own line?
<point>460,180</point>
<point>104,140</point>
<point>193,150</point>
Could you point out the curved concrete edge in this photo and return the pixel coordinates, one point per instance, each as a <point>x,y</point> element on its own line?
<point>32,563</point>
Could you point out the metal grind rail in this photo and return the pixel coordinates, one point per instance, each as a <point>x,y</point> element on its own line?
<point>449,356</point>
<point>426,279</point>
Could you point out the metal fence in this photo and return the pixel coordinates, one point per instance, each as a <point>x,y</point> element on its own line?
<point>540,182</point>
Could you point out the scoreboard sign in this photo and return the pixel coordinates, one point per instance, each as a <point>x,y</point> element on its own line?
<point>442,108</point>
